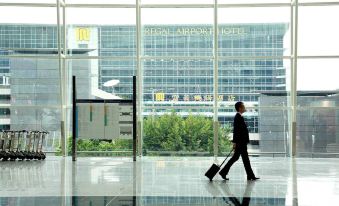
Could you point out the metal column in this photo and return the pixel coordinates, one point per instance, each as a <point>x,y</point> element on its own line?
<point>74,120</point>
<point>134,119</point>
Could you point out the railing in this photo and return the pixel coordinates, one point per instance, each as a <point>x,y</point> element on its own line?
<point>113,153</point>
<point>319,154</point>
<point>273,154</point>
<point>185,153</point>
<point>205,154</point>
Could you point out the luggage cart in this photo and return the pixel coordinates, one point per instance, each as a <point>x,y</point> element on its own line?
<point>3,154</point>
<point>42,138</point>
<point>16,147</point>
<point>10,146</point>
<point>21,144</point>
<point>24,144</point>
<point>36,154</point>
<point>29,145</point>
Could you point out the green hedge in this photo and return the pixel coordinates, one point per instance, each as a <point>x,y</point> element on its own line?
<point>99,145</point>
<point>171,132</point>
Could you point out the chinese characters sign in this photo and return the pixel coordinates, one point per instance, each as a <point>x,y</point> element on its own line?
<point>160,96</point>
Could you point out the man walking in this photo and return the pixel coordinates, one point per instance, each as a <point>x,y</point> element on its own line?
<point>240,141</point>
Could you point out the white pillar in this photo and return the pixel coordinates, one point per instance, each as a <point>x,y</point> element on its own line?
<point>139,78</point>
<point>61,83</point>
<point>294,50</point>
<point>215,80</point>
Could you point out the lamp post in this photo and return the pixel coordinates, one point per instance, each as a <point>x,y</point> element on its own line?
<point>152,103</point>
<point>153,93</point>
<point>153,110</point>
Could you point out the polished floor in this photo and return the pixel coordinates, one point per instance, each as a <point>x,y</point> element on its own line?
<point>167,181</point>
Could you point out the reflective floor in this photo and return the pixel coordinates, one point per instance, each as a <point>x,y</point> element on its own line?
<point>167,181</point>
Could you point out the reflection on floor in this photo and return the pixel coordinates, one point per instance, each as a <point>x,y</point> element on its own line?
<point>134,201</point>
<point>167,181</point>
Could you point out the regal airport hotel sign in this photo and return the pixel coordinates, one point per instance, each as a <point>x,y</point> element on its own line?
<point>190,31</point>
<point>83,34</point>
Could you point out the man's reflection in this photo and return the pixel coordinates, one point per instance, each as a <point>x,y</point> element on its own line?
<point>222,190</point>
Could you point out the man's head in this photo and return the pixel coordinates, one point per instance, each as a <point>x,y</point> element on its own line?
<point>240,107</point>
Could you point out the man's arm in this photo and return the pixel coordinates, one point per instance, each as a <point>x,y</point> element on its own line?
<point>236,129</point>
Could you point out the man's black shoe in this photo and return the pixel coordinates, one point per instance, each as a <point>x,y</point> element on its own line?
<point>223,176</point>
<point>252,178</point>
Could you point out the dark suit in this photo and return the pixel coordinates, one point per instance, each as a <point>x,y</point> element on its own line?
<point>241,138</point>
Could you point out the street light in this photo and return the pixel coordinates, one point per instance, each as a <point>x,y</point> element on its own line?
<point>153,110</point>
<point>112,83</point>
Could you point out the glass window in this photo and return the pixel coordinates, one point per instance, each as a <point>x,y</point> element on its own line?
<point>252,1</point>
<point>28,33</point>
<point>30,1</point>
<point>177,1</point>
<point>177,32</point>
<point>35,97</point>
<point>109,33</point>
<point>318,74</point>
<point>100,1</point>
<point>317,99</point>
<point>254,31</point>
<point>254,66</point>
<point>321,36</point>
<point>317,129</point>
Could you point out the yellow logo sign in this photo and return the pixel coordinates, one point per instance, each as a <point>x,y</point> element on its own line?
<point>160,96</point>
<point>82,34</point>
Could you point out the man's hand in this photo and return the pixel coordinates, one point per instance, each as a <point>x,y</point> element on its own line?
<point>234,145</point>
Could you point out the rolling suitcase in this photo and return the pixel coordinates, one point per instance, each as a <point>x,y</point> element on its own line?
<point>212,171</point>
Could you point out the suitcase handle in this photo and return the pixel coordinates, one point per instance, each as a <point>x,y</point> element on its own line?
<point>226,158</point>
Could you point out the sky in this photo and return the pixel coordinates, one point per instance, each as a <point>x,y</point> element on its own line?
<point>318,31</point>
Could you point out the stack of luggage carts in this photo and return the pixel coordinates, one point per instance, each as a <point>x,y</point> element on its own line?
<point>22,145</point>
